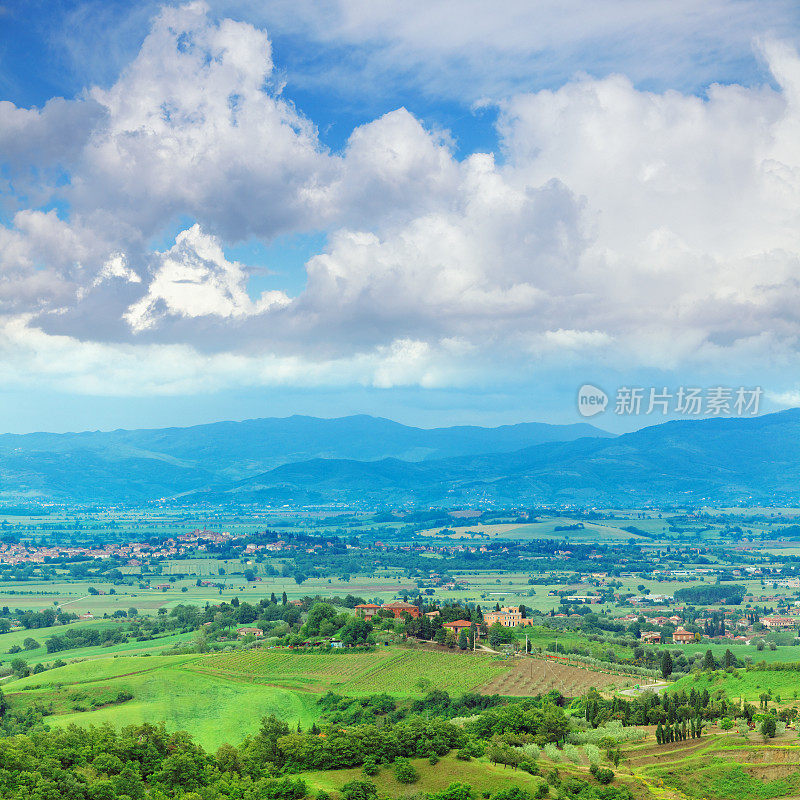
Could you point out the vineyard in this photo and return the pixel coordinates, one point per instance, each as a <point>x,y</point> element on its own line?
<point>533,676</point>
<point>396,671</point>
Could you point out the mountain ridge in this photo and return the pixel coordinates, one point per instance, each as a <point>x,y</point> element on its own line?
<point>696,461</point>
<point>143,464</point>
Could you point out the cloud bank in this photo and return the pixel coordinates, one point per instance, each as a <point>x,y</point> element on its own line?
<point>613,226</point>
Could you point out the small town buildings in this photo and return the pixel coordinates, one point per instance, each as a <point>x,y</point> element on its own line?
<point>652,637</point>
<point>399,608</point>
<point>458,625</point>
<point>257,632</point>
<point>508,617</point>
<point>777,623</point>
<point>682,636</point>
<point>367,610</point>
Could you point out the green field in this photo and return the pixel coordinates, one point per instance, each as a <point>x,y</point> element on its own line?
<point>214,709</point>
<point>222,697</point>
<point>40,635</point>
<point>481,775</point>
<point>746,684</point>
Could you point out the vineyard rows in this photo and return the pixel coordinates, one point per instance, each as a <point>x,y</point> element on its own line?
<point>394,671</point>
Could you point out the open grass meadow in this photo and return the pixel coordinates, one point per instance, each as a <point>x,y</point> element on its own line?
<point>745,684</point>
<point>481,775</point>
<point>213,708</point>
<point>222,697</point>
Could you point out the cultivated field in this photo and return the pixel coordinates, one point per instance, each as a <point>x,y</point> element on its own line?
<point>534,676</point>
<point>398,671</point>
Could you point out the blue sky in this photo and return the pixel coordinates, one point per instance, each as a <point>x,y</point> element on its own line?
<point>442,212</point>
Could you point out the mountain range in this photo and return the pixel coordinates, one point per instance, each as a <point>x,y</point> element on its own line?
<point>138,465</point>
<point>360,459</point>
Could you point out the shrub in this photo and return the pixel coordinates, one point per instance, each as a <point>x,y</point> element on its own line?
<point>572,753</point>
<point>455,791</point>
<point>531,751</point>
<point>404,771</point>
<point>359,790</point>
<point>726,723</point>
<point>512,793</point>
<point>370,767</point>
<point>601,774</point>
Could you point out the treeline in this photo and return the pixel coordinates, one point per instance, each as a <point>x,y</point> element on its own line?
<point>351,711</point>
<point>84,637</point>
<point>728,593</point>
<point>652,709</point>
<point>145,761</point>
<point>35,619</point>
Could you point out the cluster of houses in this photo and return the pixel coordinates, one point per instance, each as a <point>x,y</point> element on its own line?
<point>398,608</point>
<point>682,636</point>
<point>133,553</point>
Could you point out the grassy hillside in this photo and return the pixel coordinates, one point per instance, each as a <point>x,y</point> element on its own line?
<point>746,684</point>
<point>481,775</point>
<point>215,709</point>
<point>223,697</point>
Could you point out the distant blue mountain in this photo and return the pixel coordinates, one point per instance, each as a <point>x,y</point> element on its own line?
<point>136,465</point>
<point>749,460</point>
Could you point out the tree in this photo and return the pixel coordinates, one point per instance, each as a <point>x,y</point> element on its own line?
<point>768,727</point>
<point>356,631</point>
<point>709,663</point>
<point>495,635</point>
<point>284,599</point>
<point>554,726</point>
<point>228,759</point>
<point>19,667</point>
<point>463,639</point>
<point>30,643</point>
<point>666,664</point>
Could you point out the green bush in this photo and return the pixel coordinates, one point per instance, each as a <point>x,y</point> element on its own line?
<point>601,774</point>
<point>359,790</point>
<point>370,767</point>
<point>404,771</point>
